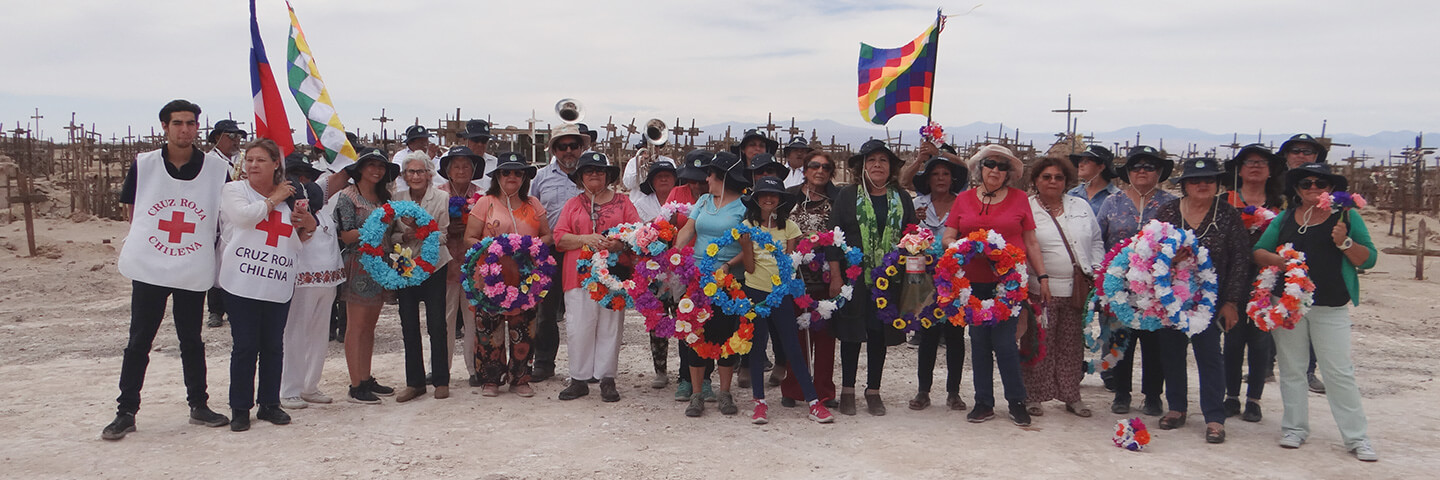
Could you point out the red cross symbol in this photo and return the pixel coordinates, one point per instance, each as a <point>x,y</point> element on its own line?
<point>177,226</point>
<point>274,228</point>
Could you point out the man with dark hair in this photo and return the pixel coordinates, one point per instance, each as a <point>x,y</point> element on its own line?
<point>476,136</point>
<point>553,187</point>
<point>174,198</point>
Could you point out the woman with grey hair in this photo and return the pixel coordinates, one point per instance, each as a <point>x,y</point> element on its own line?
<point>417,173</point>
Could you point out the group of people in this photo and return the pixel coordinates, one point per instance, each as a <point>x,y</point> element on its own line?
<point>288,239</point>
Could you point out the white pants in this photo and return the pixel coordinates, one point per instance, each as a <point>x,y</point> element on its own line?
<point>307,332</point>
<point>1328,330</point>
<point>455,300</point>
<point>592,336</point>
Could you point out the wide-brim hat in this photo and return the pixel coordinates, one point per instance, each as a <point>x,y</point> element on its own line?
<point>593,134</point>
<point>797,143</point>
<point>959,175</point>
<point>766,160</point>
<point>392,171</point>
<point>871,146</point>
<point>996,152</point>
<point>769,185</point>
<point>295,163</point>
<point>594,160</point>
<point>696,166</point>
<point>1316,169</point>
<point>416,132</point>
<point>476,130</point>
<point>1098,154</point>
<point>512,161</point>
<point>223,127</point>
<point>460,152</point>
<point>562,131</point>
<point>1198,167</point>
<point>1234,165</point>
<point>1146,153</point>
<point>771,146</point>
<point>730,167</point>
<point>1320,151</point>
<point>657,167</point>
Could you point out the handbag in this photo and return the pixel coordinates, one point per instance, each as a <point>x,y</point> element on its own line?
<point>1080,282</point>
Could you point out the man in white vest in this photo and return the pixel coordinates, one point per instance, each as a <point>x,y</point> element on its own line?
<point>174,198</point>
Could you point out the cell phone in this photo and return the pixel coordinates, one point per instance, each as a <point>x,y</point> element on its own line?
<point>302,204</point>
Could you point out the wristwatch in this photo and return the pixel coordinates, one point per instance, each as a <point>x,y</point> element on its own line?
<point>1043,277</point>
<point>1347,244</point>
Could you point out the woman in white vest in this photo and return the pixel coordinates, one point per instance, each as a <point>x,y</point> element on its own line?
<point>260,235</point>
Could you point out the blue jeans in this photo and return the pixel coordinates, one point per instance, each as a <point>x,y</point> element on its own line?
<point>782,322</point>
<point>258,330</point>
<point>993,347</point>
<point>1208,360</point>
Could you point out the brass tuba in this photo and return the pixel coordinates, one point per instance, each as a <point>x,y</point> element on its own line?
<point>570,110</point>
<point>656,133</point>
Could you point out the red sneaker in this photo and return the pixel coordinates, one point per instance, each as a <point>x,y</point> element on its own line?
<point>760,417</point>
<point>820,414</point>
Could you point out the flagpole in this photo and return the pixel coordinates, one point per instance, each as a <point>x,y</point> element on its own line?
<point>936,46</point>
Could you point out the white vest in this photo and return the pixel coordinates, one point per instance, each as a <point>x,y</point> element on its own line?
<point>258,261</point>
<point>319,263</point>
<point>172,235</point>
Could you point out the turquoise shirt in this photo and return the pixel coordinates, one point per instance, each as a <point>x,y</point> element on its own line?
<point>710,225</point>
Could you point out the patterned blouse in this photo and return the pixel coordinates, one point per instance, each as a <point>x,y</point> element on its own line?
<point>1119,220</point>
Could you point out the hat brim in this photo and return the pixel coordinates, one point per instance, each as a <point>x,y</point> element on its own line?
<point>1016,165</point>
<point>787,199</point>
<point>529,170</point>
<point>302,168</point>
<point>550,146</point>
<point>646,187</point>
<point>612,173</point>
<point>392,171</point>
<point>1167,166</point>
<point>1108,168</point>
<point>1191,175</point>
<point>1293,176</point>
<point>771,146</point>
<point>476,160</point>
<point>959,176</point>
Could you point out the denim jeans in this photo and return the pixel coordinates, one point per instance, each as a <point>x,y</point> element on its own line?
<point>258,330</point>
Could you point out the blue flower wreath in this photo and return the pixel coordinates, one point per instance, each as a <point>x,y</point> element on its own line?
<point>372,236</point>
<point>589,276</point>
<point>788,284</point>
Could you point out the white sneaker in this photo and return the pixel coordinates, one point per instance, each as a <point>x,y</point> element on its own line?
<point>317,397</point>
<point>1291,440</point>
<point>293,403</point>
<point>1364,452</point>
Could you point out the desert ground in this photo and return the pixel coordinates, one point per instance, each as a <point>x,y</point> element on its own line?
<point>64,319</point>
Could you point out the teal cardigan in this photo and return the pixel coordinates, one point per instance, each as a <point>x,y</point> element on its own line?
<point>1358,233</point>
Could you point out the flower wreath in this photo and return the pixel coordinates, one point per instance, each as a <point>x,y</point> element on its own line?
<point>668,211</point>
<point>953,289</point>
<point>783,284</point>
<point>1256,218</point>
<point>914,242</point>
<point>607,289</point>
<point>460,208</point>
<point>1101,336</point>
<point>1140,282</point>
<point>647,239</point>
<point>484,286</point>
<point>725,292</point>
<point>680,275</point>
<point>809,255</point>
<point>1130,434</point>
<point>402,269</point>
<point>1299,293</point>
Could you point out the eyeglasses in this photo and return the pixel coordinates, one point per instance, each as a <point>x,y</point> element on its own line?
<point>592,171</point>
<point>416,172</point>
<point>1204,180</point>
<point>564,146</point>
<point>1052,177</point>
<point>1256,162</point>
<point>996,164</point>
<point>509,173</point>
<point>1144,167</point>
<point>1319,183</point>
<point>821,165</point>
<point>1301,151</point>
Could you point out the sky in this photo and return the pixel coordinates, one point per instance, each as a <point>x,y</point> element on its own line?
<point>1218,65</point>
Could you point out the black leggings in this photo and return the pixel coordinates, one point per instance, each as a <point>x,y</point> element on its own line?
<point>954,355</point>
<point>874,360</point>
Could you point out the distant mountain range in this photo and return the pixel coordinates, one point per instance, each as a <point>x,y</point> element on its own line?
<point>1175,140</point>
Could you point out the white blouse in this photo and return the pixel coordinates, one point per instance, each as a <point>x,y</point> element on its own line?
<point>1081,229</point>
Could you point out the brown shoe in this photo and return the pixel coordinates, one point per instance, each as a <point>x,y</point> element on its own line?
<point>847,404</point>
<point>442,392</point>
<point>874,404</point>
<point>523,390</point>
<point>954,401</point>
<point>490,390</point>
<point>408,393</point>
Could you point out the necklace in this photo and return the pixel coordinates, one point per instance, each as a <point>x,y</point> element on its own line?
<point>988,198</point>
<point>1049,209</point>
<point>1201,234</point>
<point>1305,223</point>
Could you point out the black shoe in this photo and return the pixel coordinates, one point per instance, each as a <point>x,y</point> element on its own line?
<point>273,414</point>
<point>831,403</point>
<point>124,423</point>
<point>576,389</point>
<point>363,395</point>
<point>980,414</point>
<point>1315,384</point>
<point>1232,407</point>
<point>475,381</point>
<point>608,393</point>
<point>377,388</point>
<point>1109,380</point>
<point>216,320</point>
<point>542,372</point>
<point>202,415</point>
<point>1019,415</point>
<point>1121,404</point>
<point>1252,412</point>
<point>1152,407</point>
<point>787,402</point>
<point>593,381</point>
<point>242,419</point>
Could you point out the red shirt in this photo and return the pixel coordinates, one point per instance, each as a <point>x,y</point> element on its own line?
<point>575,219</point>
<point>682,194</point>
<point>1011,218</point>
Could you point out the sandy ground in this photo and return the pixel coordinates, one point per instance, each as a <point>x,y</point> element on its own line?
<point>64,318</point>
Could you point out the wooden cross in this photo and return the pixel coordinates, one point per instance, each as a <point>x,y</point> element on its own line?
<point>610,127</point>
<point>72,127</point>
<point>383,120</point>
<point>37,116</point>
<point>793,130</point>
<point>1067,111</point>
<point>770,127</point>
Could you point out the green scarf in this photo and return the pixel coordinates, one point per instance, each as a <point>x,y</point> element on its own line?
<point>877,245</point>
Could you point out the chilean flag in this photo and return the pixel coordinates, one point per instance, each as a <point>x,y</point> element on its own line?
<point>270,121</point>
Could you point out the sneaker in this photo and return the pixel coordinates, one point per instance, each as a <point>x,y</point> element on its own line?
<point>820,414</point>
<point>216,320</point>
<point>123,424</point>
<point>1316,385</point>
<point>362,394</point>
<point>273,414</point>
<point>490,390</point>
<point>683,389</point>
<point>523,390</point>
<point>706,393</point>
<point>576,389</point>
<point>1252,412</point>
<point>608,393</point>
<point>1232,407</point>
<point>202,415</point>
<point>293,403</point>
<point>242,420</point>
<point>660,381</point>
<point>760,417</point>
<point>317,397</point>
<point>377,388</point>
<point>726,403</point>
<point>1152,407</point>
<point>1364,452</point>
<point>696,407</point>
<point>980,414</point>
<point>1291,440</point>
<point>1019,415</point>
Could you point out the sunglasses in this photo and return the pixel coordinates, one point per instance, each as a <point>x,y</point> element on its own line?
<point>996,164</point>
<point>1256,162</point>
<point>1319,183</point>
<point>1301,151</point>
<point>821,165</point>
<point>565,146</point>
<point>1144,167</point>
<point>510,173</point>
<point>1202,180</point>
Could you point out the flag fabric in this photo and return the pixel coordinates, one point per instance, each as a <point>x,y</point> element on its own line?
<point>895,81</point>
<point>308,88</point>
<point>270,121</point>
